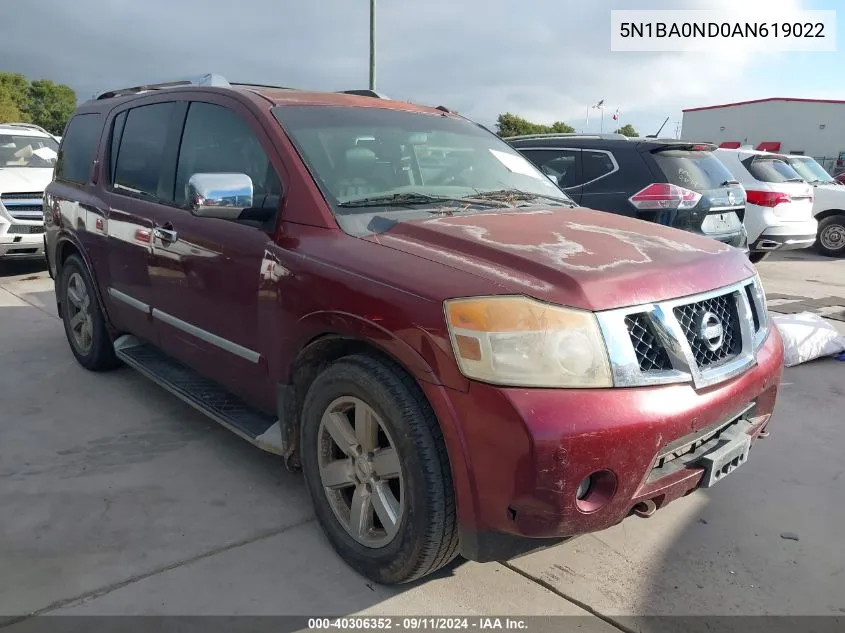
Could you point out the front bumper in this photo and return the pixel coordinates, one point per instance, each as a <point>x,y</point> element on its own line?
<point>527,451</point>
<point>21,246</point>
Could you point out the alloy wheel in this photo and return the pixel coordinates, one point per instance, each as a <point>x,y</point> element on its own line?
<point>360,472</point>
<point>80,317</point>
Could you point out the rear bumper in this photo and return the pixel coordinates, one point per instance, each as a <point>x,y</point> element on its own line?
<point>787,236</point>
<point>525,452</point>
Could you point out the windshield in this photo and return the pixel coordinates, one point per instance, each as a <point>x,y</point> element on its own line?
<point>811,171</point>
<point>771,169</point>
<point>409,162</point>
<point>27,151</point>
<point>692,169</point>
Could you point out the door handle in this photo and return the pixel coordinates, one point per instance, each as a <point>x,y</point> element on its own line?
<point>167,236</point>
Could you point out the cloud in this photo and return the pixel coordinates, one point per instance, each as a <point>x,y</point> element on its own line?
<point>544,60</point>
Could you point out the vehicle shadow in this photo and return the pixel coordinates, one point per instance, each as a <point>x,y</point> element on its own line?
<point>15,267</point>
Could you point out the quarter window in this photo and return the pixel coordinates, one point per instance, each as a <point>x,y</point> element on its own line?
<point>595,165</point>
<point>140,157</point>
<point>559,164</point>
<point>79,146</point>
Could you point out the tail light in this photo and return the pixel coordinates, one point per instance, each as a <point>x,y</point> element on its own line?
<point>767,198</point>
<point>662,195</point>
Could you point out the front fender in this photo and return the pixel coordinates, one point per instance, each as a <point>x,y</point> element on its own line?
<point>430,363</point>
<point>68,239</point>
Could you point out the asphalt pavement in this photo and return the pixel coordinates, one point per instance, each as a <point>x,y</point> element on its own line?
<point>118,499</point>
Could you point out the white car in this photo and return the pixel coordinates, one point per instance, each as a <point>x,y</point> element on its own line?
<point>27,157</point>
<point>828,205</point>
<point>779,202</point>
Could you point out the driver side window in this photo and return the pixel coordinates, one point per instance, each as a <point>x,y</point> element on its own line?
<point>561,165</point>
<point>217,140</point>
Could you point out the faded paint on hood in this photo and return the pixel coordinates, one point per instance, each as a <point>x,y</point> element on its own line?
<point>574,257</point>
<point>24,179</point>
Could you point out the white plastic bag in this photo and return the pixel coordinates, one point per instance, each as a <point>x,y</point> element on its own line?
<point>807,336</point>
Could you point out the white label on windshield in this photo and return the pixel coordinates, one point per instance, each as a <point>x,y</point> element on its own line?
<point>46,153</point>
<point>517,164</point>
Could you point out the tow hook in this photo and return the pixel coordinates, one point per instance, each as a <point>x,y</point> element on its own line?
<point>763,434</point>
<point>645,508</point>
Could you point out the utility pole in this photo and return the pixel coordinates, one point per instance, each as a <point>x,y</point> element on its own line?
<point>372,44</point>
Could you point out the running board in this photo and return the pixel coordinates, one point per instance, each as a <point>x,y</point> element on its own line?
<point>256,427</point>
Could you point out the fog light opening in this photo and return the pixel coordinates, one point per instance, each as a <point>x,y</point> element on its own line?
<point>595,491</point>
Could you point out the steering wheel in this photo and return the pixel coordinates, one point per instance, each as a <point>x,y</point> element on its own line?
<point>451,173</point>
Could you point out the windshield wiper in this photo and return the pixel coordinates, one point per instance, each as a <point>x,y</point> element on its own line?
<point>410,199</point>
<point>795,180</point>
<point>510,195</point>
<point>729,182</point>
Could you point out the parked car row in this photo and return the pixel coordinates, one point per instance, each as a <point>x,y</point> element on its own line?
<point>394,299</point>
<point>754,200</point>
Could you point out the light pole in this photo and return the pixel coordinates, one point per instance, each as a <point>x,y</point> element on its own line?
<point>372,45</point>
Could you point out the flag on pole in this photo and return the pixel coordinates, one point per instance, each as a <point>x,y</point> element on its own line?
<point>599,105</point>
<point>616,115</point>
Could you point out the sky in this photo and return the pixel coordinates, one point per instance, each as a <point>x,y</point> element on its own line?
<point>545,60</point>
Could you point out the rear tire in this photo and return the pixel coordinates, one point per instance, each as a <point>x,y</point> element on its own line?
<point>85,325</point>
<point>831,236</point>
<point>757,257</point>
<point>420,534</point>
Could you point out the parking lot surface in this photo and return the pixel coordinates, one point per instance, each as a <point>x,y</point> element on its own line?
<point>117,498</point>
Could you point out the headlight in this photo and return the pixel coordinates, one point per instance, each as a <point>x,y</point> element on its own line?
<point>520,342</point>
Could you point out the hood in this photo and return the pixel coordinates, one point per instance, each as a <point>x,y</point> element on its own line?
<point>573,257</point>
<point>24,179</point>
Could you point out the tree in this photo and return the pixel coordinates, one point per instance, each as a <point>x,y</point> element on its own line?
<point>42,102</point>
<point>50,104</point>
<point>508,124</point>
<point>627,130</point>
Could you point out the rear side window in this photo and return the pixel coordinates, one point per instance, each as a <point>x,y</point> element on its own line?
<point>140,156</point>
<point>596,164</point>
<point>696,170</point>
<point>559,164</point>
<point>79,146</point>
<point>771,170</point>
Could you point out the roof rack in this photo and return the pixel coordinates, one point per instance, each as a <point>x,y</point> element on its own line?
<point>567,135</point>
<point>364,92</point>
<point>208,79</point>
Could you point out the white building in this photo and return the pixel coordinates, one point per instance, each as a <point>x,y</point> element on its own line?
<point>813,127</point>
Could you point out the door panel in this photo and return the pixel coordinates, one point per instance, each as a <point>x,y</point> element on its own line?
<point>206,272</point>
<point>139,152</point>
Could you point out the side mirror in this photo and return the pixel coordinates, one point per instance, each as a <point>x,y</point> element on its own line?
<point>220,195</point>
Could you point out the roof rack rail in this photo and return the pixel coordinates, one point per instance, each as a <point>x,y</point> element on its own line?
<point>364,92</point>
<point>250,84</point>
<point>610,136</point>
<point>208,79</point>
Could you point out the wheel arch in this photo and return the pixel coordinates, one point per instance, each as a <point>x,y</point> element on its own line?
<point>829,213</point>
<point>66,246</point>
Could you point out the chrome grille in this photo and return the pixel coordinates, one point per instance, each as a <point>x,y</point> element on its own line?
<point>724,309</point>
<point>651,355</point>
<point>24,206</point>
<point>704,339</point>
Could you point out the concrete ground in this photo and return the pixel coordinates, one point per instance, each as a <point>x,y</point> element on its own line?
<point>117,498</point>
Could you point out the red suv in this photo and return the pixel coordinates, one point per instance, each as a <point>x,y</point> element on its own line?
<point>393,299</point>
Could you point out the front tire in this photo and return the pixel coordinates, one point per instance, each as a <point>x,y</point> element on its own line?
<point>831,237</point>
<point>85,325</point>
<point>376,468</point>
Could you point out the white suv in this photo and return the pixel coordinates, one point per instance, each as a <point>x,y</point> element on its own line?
<point>828,205</point>
<point>779,202</point>
<point>27,157</point>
